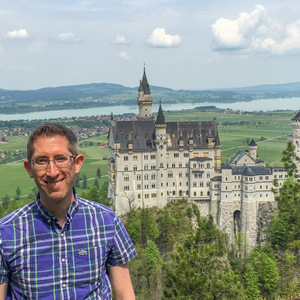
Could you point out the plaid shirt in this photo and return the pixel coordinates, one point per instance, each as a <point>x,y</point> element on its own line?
<point>41,260</point>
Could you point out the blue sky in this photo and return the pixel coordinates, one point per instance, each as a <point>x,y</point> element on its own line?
<point>185,44</point>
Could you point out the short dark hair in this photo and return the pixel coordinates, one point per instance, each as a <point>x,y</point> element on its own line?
<point>50,130</point>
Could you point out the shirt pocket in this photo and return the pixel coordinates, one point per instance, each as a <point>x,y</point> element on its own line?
<point>89,263</point>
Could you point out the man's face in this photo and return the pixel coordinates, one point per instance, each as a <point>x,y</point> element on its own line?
<point>54,183</point>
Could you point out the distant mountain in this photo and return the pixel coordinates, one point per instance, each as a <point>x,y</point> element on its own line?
<point>99,94</point>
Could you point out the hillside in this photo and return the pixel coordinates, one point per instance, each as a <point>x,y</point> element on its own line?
<point>99,94</point>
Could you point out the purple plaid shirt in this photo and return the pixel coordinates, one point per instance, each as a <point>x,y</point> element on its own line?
<point>41,260</point>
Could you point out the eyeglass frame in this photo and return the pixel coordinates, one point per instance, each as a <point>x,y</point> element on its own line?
<point>32,161</point>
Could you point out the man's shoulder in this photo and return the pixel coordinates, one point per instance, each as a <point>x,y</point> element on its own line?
<point>17,214</point>
<point>95,206</point>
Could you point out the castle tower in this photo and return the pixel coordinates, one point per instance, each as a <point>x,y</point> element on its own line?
<point>252,150</point>
<point>144,100</point>
<point>161,146</point>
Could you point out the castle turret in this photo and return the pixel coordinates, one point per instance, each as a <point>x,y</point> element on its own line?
<point>144,100</point>
<point>252,150</point>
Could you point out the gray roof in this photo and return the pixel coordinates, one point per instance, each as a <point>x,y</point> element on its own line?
<point>251,170</point>
<point>141,133</point>
<point>296,117</point>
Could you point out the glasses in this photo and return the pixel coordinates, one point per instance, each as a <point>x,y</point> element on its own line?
<point>60,161</point>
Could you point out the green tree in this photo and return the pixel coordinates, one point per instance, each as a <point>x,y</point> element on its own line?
<point>289,158</point>
<point>96,183</point>
<point>98,173</point>
<point>265,265</point>
<point>84,181</point>
<point>252,283</point>
<point>5,201</point>
<point>149,229</point>
<point>197,270</point>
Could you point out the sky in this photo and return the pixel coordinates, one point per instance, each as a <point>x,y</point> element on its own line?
<point>183,44</point>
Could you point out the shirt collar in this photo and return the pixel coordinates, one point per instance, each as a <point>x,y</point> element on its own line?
<point>48,216</point>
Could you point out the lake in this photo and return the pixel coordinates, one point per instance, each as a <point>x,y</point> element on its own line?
<point>256,105</point>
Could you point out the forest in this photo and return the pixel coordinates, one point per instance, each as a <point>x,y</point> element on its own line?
<point>182,255</point>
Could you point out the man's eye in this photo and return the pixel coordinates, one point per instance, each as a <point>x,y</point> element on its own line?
<point>41,161</point>
<point>61,159</point>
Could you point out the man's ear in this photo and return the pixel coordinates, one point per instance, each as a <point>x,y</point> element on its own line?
<point>78,162</point>
<point>28,168</point>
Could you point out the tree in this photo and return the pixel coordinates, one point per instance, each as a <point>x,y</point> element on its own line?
<point>96,183</point>
<point>204,272</point>
<point>84,182</point>
<point>98,173</point>
<point>252,283</point>
<point>289,159</point>
<point>5,201</point>
<point>18,191</point>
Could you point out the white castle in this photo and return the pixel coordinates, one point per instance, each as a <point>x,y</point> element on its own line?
<point>153,162</point>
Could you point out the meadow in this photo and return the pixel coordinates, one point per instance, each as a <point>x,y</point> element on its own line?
<point>269,130</point>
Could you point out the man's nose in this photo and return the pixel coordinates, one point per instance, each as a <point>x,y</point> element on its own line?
<point>52,169</point>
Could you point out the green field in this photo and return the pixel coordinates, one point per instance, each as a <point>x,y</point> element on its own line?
<point>270,132</point>
<point>13,175</point>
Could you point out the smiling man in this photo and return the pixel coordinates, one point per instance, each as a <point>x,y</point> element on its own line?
<point>62,246</point>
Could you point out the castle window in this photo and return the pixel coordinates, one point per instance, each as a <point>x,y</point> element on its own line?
<point>138,177</point>
<point>167,155</point>
<point>126,178</point>
<point>173,165</point>
<point>125,158</point>
<point>126,188</point>
<point>176,155</point>
<point>196,154</point>
<point>153,186</point>
<point>146,167</point>
<point>170,175</point>
<point>194,184</point>
<point>126,168</point>
<point>180,165</point>
<point>153,156</point>
<point>173,193</point>
<point>195,194</point>
<point>153,195</point>
<point>267,177</point>
<point>134,157</point>
<point>153,176</point>
<point>146,195</point>
<point>139,196</point>
<point>139,186</point>
<point>134,168</point>
<point>186,154</point>
<point>145,157</point>
<point>208,165</point>
<point>208,175</point>
<point>153,167</point>
<point>146,176</point>
<point>201,193</point>
<point>201,184</point>
<point>180,174</point>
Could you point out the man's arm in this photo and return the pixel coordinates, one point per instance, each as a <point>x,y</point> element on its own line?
<point>2,291</point>
<point>121,282</point>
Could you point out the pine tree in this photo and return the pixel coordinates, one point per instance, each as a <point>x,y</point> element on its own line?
<point>99,173</point>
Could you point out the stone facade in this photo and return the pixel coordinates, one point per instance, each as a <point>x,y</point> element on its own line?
<point>153,162</point>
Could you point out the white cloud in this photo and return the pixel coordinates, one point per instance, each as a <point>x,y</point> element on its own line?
<point>124,55</point>
<point>17,34</point>
<point>159,38</point>
<point>119,39</point>
<point>256,32</point>
<point>67,37</point>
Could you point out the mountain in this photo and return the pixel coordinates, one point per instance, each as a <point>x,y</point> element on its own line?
<point>97,94</point>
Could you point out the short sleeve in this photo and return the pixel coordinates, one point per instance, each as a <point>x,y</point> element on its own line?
<point>123,249</point>
<point>3,266</point>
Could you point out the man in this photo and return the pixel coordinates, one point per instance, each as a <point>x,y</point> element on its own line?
<point>61,246</point>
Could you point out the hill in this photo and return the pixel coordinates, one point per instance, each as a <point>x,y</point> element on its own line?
<point>100,94</point>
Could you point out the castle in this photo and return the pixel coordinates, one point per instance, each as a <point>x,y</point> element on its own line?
<point>153,162</point>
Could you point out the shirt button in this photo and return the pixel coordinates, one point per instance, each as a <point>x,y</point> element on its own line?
<point>64,285</point>
<point>63,260</point>
<point>49,221</point>
<point>61,234</point>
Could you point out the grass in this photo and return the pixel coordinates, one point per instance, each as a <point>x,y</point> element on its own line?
<point>273,128</point>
